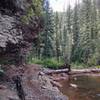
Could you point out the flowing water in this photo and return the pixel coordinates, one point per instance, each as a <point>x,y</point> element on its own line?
<point>82,87</point>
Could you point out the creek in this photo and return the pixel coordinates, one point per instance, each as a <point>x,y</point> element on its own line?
<point>82,87</point>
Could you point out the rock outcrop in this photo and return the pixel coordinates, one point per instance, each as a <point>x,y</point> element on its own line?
<point>15,36</point>
<point>9,33</point>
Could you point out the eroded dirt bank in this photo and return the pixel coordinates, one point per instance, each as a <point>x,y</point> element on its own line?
<point>34,84</point>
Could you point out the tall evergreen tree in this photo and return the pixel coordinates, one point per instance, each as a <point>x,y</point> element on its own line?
<point>57,43</point>
<point>86,30</point>
<point>76,33</point>
<point>48,32</point>
<point>69,32</point>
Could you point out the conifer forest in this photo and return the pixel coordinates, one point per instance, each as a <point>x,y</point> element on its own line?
<point>49,49</point>
<point>71,36</point>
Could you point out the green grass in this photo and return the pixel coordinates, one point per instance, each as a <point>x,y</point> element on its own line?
<point>47,63</point>
<point>98,66</point>
<point>79,65</point>
<point>54,64</point>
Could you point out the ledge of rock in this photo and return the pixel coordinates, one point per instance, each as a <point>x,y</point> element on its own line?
<point>9,33</point>
<point>16,36</point>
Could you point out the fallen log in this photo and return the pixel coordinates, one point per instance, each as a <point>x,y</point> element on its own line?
<point>84,71</point>
<point>56,71</point>
<point>73,71</point>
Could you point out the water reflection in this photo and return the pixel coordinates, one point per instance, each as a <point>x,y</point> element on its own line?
<point>82,87</point>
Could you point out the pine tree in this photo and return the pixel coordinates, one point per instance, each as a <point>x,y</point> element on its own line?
<point>48,32</point>
<point>76,34</point>
<point>57,43</point>
<point>85,24</point>
<point>69,33</point>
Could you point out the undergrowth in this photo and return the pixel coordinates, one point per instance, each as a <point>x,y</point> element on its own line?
<point>47,63</point>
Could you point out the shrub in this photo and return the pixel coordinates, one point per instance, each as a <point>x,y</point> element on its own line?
<point>48,63</point>
<point>77,65</point>
<point>98,66</point>
<point>52,63</point>
<point>36,61</point>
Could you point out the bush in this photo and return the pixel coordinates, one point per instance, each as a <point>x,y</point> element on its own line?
<point>36,61</point>
<point>48,63</point>
<point>77,65</point>
<point>94,60</point>
<point>52,63</point>
<point>98,66</point>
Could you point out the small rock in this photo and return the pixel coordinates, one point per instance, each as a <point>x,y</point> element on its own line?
<point>54,83</point>
<point>1,72</point>
<point>60,78</point>
<point>73,85</point>
<point>98,95</point>
<point>75,78</point>
<point>3,87</point>
<point>64,75</point>
<point>44,87</point>
<point>41,73</point>
<point>13,98</point>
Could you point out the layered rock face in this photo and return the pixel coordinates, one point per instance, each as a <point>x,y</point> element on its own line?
<point>9,31</point>
<point>15,36</point>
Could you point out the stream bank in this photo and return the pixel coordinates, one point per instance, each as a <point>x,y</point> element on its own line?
<point>35,85</point>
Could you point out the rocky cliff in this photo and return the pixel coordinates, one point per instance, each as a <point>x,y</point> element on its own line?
<point>16,36</point>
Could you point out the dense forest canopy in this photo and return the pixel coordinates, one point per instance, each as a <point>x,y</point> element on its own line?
<point>42,45</point>
<point>72,35</point>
